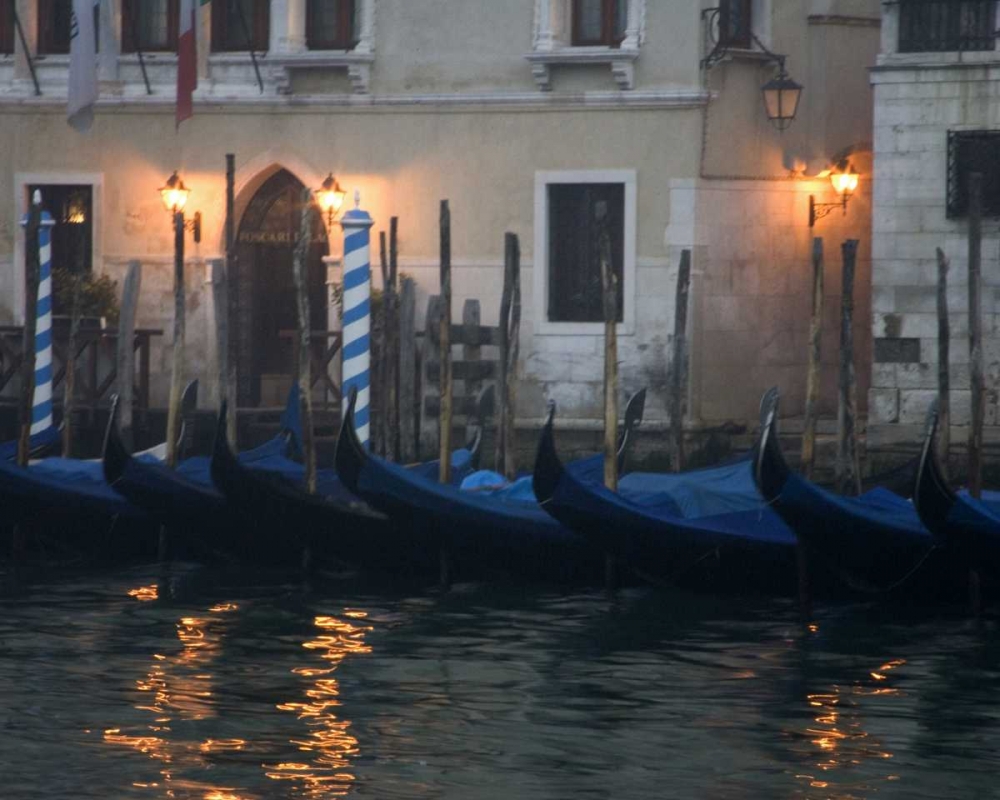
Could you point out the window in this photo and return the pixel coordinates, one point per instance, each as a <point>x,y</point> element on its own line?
<point>736,23</point>
<point>6,27</point>
<point>973,151</point>
<point>240,25</point>
<point>72,208</point>
<point>575,285</point>
<point>53,26</point>
<point>331,25</point>
<point>599,22</point>
<point>946,25</point>
<point>149,25</point>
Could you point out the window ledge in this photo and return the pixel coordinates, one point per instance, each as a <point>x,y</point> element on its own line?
<point>746,54</point>
<point>939,58</point>
<point>548,328</point>
<point>621,59</point>
<point>358,66</point>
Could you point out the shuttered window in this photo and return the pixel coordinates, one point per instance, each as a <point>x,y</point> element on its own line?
<point>6,27</point>
<point>239,25</point>
<point>599,22</point>
<point>149,25</point>
<point>331,25</point>
<point>574,209</point>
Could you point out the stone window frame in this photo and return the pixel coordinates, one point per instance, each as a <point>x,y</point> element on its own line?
<point>22,180</point>
<point>540,267</point>
<point>890,54</point>
<point>552,44</point>
<point>760,29</point>
<point>289,51</point>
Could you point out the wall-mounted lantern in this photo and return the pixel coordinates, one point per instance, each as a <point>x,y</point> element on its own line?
<point>845,180</point>
<point>781,94</point>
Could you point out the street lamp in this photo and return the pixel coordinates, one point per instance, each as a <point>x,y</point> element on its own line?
<point>175,196</point>
<point>330,198</point>
<point>845,180</point>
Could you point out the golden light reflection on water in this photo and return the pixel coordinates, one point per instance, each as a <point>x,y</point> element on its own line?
<point>330,747</point>
<point>178,687</point>
<point>144,594</point>
<point>837,736</point>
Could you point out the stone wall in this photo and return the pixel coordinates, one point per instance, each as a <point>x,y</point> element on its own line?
<point>918,99</point>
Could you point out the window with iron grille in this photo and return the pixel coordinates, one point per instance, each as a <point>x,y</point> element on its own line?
<point>968,152</point>
<point>736,23</point>
<point>149,25</point>
<point>575,288</point>
<point>6,27</point>
<point>240,25</point>
<point>331,25</point>
<point>599,22</point>
<point>71,206</point>
<point>927,26</point>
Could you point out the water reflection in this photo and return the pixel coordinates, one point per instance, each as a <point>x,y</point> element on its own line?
<point>330,746</point>
<point>178,688</point>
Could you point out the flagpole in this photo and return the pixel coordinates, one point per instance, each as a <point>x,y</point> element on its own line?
<point>246,35</point>
<point>27,52</point>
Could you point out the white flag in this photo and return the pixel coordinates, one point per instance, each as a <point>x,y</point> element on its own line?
<point>82,65</point>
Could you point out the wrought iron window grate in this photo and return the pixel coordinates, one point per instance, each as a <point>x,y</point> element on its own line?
<point>973,151</point>
<point>946,25</point>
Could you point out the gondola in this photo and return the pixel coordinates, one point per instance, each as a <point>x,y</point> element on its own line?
<point>873,543</point>
<point>282,523</point>
<point>478,534</point>
<point>185,499</point>
<point>969,526</point>
<point>702,529</point>
<point>67,503</point>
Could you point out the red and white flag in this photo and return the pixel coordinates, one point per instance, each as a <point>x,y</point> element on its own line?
<point>187,57</point>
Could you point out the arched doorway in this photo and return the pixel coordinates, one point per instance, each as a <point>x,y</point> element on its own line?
<point>265,304</point>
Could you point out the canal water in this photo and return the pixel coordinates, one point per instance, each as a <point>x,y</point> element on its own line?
<point>217,686</point>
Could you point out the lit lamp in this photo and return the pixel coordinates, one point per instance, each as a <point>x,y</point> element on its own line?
<point>330,198</point>
<point>845,180</point>
<point>781,98</point>
<point>175,196</point>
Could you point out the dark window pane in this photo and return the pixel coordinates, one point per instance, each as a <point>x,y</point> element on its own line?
<point>6,26</point>
<point>239,25</point>
<point>152,24</point>
<point>968,152</point>
<point>72,236</point>
<point>575,289</point>
<point>599,22</point>
<point>331,25</point>
<point>53,26</point>
<point>736,23</point>
<point>946,25</point>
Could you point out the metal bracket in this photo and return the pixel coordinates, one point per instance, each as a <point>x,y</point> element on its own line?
<point>820,210</point>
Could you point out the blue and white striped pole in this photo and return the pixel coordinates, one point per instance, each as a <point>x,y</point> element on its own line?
<point>357,314</point>
<point>41,404</point>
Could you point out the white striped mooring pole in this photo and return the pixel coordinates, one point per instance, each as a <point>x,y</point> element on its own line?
<point>357,314</point>
<point>41,403</point>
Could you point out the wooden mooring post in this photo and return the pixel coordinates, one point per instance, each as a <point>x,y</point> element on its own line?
<point>509,324</point>
<point>813,374</point>
<point>848,471</point>
<point>444,338</point>
<point>976,382</point>
<point>679,363</point>
<point>125,355</point>
<point>944,359</point>
<point>409,399</point>
<point>177,371</point>
<point>305,339</point>
<point>69,384</point>
<point>609,285</point>
<point>31,270</point>
<point>223,305</point>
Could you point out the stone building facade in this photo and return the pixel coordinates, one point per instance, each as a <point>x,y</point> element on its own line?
<point>490,105</point>
<point>936,84</point>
